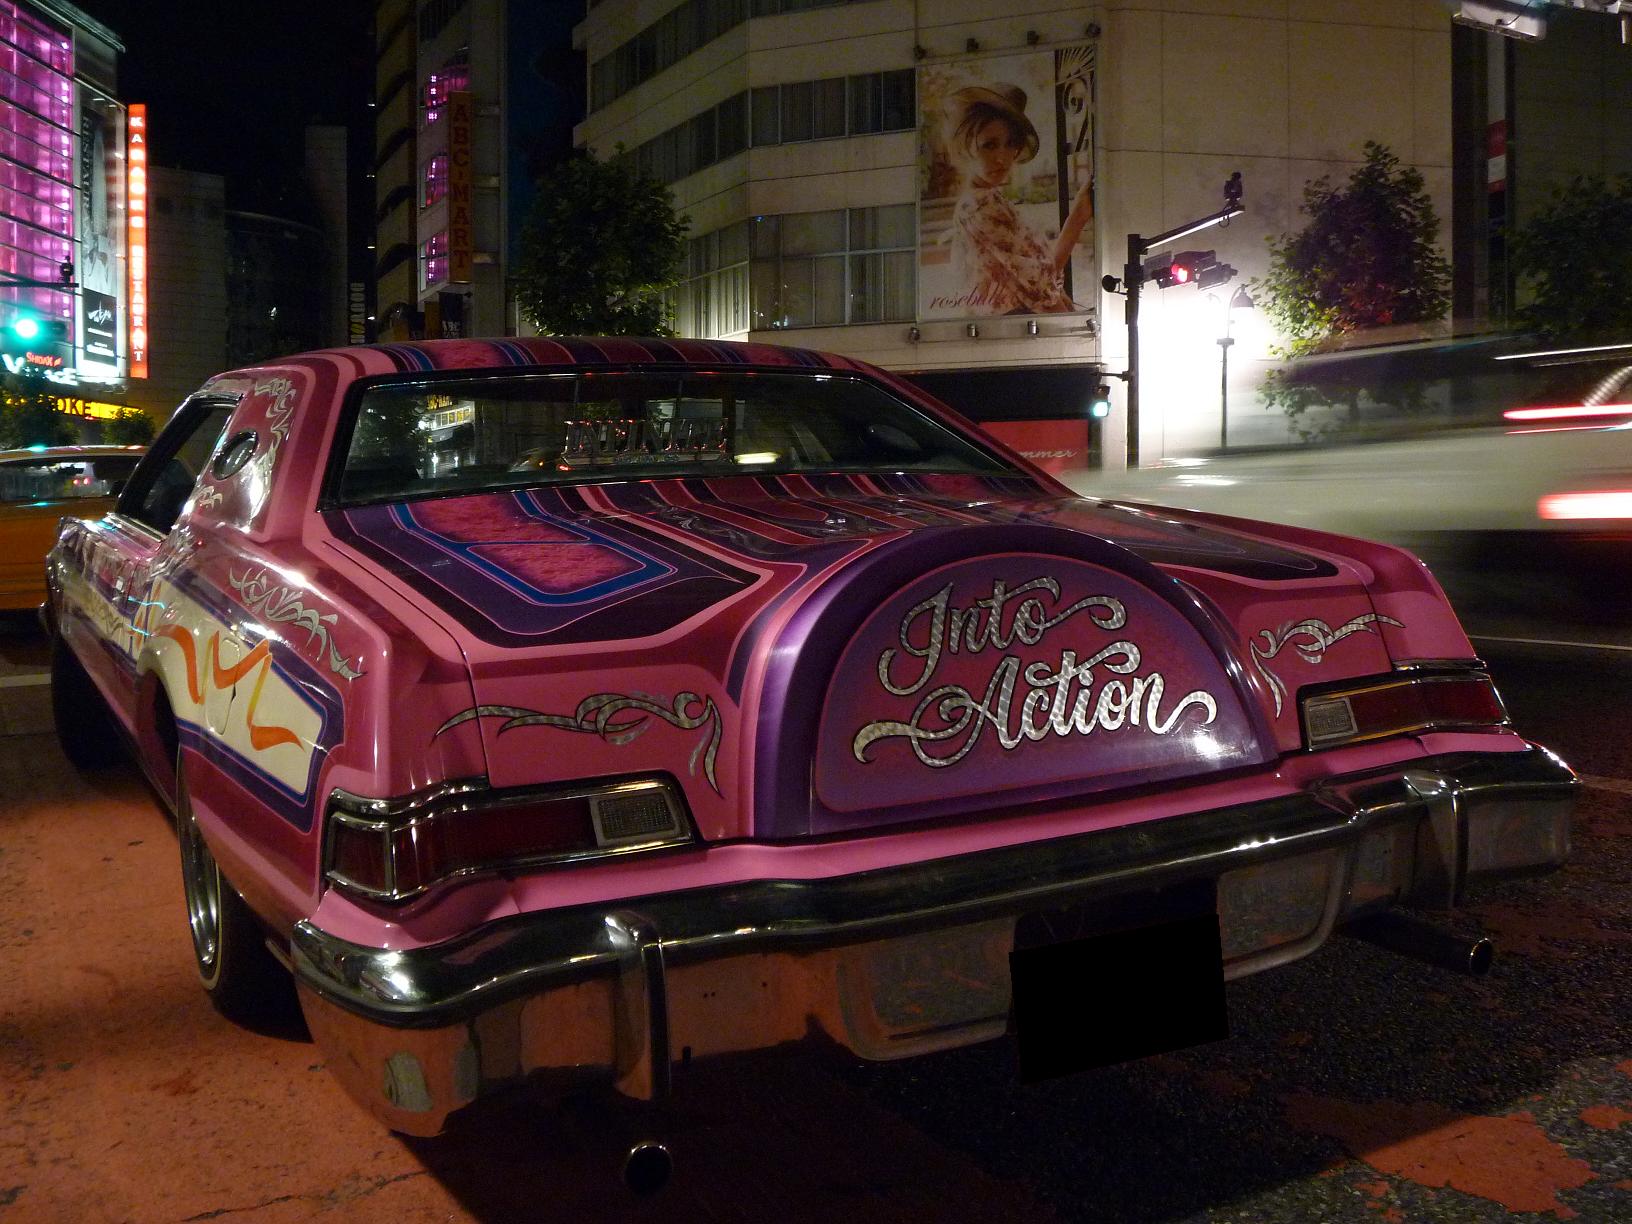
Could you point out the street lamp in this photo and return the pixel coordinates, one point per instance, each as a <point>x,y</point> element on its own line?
<point>1239,300</point>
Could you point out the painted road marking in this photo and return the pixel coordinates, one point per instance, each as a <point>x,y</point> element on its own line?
<point>1525,641</point>
<point>1619,786</point>
<point>26,680</point>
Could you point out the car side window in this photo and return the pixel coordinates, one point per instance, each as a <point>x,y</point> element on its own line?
<point>162,484</point>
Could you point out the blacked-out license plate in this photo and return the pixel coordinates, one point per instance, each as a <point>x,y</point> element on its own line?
<point>1110,998</point>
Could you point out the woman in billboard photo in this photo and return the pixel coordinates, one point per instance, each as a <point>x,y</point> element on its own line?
<point>1010,266</point>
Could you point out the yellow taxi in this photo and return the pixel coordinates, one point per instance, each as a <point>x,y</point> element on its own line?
<point>38,487</point>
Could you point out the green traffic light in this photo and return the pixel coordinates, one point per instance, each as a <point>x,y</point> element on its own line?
<point>25,328</point>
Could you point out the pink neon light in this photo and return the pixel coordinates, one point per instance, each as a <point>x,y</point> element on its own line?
<point>1590,504</point>
<point>1576,410</point>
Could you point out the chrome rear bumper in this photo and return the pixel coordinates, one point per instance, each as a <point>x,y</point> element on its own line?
<point>620,992</point>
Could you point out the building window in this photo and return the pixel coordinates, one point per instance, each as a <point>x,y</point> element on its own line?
<point>837,106</point>
<point>435,180</point>
<point>439,86</point>
<point>882,102</point>
<point>781,114</point>
<point>434,17</point>
<point>712,300</point>
<point>37,171</point>
<point>433,260</point>
<point>832,268</point>
<point>675,35</point>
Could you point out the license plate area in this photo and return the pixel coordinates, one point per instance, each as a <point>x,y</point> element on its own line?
<point>1113,981</point>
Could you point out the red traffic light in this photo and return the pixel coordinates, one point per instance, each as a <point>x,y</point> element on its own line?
<point>1179,267</point>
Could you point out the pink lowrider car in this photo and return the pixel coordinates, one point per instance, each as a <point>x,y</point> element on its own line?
<point>566,709</point>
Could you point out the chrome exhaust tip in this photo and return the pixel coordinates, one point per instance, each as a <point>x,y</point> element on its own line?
<point>1425,942</point>
<point>647,1168</point>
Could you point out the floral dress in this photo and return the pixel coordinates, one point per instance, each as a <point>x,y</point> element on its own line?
<point>1008,267</point>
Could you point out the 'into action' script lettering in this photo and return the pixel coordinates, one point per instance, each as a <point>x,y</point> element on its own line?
<point>1021,702</point>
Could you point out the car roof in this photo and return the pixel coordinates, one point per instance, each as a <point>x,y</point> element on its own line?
<point>408,356</point>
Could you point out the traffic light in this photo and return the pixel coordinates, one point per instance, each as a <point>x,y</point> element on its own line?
<point>1215,274</point>
<point>1099,407</point>
<point>1187,268</point>
<point>33,337</point>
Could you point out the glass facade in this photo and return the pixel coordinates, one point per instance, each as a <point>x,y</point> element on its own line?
<point>832,268</point>
<point>675,35</point>
<point>433,260</point>
<point>435,180</point>
<point>454,78</point>
<point>813,269</point>
<point>781,114</point>
<point>712,301</point>
<point>36,160</point>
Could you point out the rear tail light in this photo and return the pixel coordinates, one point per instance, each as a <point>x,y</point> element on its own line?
<point>1569,412</point>
<point>394,850</point>
<point>1400,705</point>
<point>1587,504</point>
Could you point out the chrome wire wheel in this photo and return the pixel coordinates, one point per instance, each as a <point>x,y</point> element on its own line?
<point>237,969</point>
<point>201,881</point>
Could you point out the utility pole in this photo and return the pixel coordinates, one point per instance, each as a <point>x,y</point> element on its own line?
<point>1133,276</point>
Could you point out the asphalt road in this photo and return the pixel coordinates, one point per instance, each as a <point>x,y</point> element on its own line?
<point>1356,1086</point>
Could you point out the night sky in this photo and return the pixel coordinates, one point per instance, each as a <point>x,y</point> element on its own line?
<point>230,85</point>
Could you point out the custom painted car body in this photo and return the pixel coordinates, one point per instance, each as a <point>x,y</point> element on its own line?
<point>582,770</point>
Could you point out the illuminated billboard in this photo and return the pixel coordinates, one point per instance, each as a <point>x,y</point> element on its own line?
<point>1006,185</point>
<point>461,233</point>
<point>136,194</point>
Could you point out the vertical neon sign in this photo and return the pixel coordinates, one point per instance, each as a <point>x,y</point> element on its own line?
<point>461,241</point>
<point>137,196</point>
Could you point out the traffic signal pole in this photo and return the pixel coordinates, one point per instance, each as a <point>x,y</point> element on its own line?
<point>1133,276</point>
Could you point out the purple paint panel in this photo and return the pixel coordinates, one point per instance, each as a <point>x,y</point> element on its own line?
<point>1019,671</point>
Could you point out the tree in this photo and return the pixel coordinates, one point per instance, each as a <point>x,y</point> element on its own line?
<point>1574,257</point>
<point>1367,258</point>
<point>128,427</point>
<point>600,248</point>
<point>29,417</point>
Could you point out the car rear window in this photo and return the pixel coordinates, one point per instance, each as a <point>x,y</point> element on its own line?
<point>51,478</point>
<point>421,439</point>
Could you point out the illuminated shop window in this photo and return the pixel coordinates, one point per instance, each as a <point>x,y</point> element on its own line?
<point>433,260</point>
<point>36,159</point>
<point>455,78</point>
<point>436,180</point>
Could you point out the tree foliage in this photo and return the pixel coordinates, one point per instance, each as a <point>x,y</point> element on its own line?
<point>128,427</point>
<point>30,417</point>
<point>1573,260</point>
<point>1367,258</point>
<point>600,248</point>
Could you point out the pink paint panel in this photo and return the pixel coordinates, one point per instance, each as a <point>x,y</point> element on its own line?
<point>557,569</point>
<point>486,518</point>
